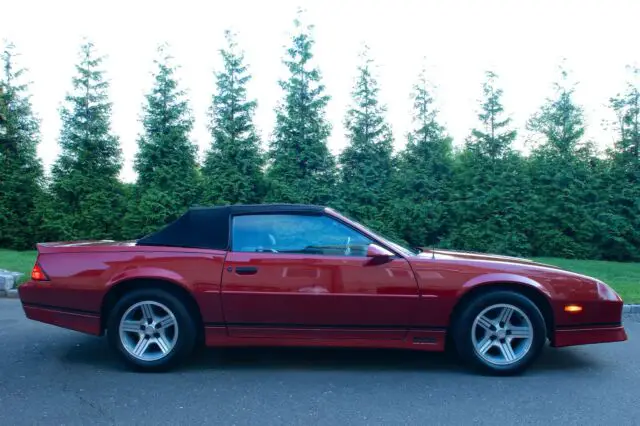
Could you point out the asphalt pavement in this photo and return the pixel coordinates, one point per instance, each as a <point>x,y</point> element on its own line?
<point>53,376</point>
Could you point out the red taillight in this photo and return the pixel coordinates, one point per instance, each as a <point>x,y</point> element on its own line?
<point>37,274</point>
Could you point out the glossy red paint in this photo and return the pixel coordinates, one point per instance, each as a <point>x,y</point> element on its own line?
<point>316,290</point>
<point>80,276</point>
<point>247,299</point>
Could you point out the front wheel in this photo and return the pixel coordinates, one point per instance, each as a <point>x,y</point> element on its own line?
<point>500,332</point>
<point>151,329</point>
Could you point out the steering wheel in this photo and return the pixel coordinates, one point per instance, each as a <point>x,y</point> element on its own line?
<point>266,250</point>
<point>272,242</point>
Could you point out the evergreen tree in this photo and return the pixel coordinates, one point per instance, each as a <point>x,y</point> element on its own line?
<point>560,121</point>
<point>87,195</point>
<point>496,137</point>
<point>627,109</point>
<point>233,166</point>
<point>366,163</point>
<point>564,179</point>
<point>618,219</point>
<point>168,179</point>
<point>302,169</point>
<point>422,181</point>
<point>22,173</point>
<point>491,186</point>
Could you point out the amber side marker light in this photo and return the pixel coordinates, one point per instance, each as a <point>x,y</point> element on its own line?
<point>37,274</point>
<point>573,309</point>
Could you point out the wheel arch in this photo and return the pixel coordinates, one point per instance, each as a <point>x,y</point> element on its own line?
<point>116,291</point>
<point>534,293</point>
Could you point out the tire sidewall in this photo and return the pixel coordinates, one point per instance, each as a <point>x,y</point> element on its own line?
<point>463,325</point>
<point>186,335</point>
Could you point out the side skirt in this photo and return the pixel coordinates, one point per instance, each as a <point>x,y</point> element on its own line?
<point>425,340</point>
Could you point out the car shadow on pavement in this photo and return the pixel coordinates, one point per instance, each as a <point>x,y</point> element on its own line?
<point>90,351</point>
<point>336,359</point>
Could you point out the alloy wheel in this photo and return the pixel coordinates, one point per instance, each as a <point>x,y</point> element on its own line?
<point>148,330</point>
<point>502,334</point>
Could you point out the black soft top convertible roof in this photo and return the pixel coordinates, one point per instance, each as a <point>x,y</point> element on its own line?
<point>208,227</point>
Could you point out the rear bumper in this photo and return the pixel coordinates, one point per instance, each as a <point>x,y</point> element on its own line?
<point>41,302</point>
<point>588,335</point>
<point>78,321</point>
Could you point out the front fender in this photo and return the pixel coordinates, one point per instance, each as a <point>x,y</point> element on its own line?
<point>504,278</point>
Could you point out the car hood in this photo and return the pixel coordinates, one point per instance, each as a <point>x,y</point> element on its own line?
<point>472,256</point>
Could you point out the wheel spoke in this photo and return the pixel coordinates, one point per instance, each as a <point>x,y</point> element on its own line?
<point>520,332</point>
<point>141,347</point>
<point>484,345</point>
<point>167,321</point>
<point>507,351</point>
<point>163,343</point>
<point>485,323</point>
<point>505,315</point>
<point>147,311</point>
<point>131,326</point>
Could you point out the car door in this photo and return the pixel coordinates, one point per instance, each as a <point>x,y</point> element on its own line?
<point>308,276</point>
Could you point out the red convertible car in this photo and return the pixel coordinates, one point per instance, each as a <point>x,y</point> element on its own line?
<point>300,275</point>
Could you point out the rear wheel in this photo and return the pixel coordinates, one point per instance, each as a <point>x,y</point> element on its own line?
<point>500,332</point>
<point>151,329</point>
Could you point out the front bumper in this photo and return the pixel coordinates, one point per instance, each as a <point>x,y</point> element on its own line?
<point>588,335</point>
<point>600,321</point>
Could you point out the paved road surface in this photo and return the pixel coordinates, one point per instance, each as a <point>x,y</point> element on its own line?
<point>53,376</point>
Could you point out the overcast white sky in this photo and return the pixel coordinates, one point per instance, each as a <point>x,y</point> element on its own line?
<point>523,41</point>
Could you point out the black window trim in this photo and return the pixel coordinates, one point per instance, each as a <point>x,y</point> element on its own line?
<point>308,213</point>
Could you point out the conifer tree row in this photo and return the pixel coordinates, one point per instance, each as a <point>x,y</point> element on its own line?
<point>563,199</point>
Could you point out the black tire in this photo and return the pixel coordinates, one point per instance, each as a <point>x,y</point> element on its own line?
<point>462,331</point>
<point>185,341</point>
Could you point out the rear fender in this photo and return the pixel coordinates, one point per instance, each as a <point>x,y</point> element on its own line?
<point>148,273</point>
<point>207,303</point>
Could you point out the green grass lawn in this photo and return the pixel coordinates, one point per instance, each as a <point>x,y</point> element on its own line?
<point>18,261</point>
<point>623,277</point>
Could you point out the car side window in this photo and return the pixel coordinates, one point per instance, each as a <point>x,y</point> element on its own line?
<point>296,234</point>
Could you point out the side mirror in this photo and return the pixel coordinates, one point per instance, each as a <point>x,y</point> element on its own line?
<point>375,251</point>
